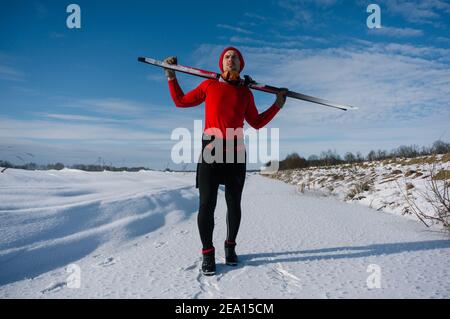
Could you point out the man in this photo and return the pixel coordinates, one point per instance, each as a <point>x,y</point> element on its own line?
<point>227,104</point>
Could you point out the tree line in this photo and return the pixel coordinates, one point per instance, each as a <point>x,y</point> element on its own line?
<point>83,167</point>
<point>328,158</point>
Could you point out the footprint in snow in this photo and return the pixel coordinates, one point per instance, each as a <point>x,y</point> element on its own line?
<point>107,262</point>
<point>159,244</point>
<point>193,266</point>
<point>54,287</point>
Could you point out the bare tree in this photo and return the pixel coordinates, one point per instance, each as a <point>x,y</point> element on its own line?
<point>407,151</point>
<point>359,157</point>
<point>372,156</point>
<point>438,198</point>
<point>349,157</point>
<point>381,154</point>
<point>440,147</point>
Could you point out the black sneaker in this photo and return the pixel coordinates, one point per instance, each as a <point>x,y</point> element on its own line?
<point>231,258</point>
<point>209,263</point>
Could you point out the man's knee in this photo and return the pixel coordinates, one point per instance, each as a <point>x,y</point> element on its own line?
<point>208,203</point>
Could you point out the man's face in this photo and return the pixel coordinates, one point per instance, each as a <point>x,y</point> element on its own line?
<point>231,61</point>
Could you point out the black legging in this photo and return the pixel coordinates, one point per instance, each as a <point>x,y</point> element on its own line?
<point>209,177</point>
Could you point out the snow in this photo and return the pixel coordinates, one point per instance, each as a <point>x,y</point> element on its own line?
<point>75,234</point>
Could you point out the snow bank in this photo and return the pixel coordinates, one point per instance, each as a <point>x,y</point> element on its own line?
<point>388,186</point>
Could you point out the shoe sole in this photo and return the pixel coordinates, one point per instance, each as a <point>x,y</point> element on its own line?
<point>208,273</point>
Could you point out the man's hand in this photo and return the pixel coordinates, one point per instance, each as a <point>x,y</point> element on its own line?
<point>170,74</point>
<point>281,97</point>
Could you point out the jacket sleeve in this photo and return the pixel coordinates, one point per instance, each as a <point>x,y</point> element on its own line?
<point>192,98</point>
<point>259,120</point>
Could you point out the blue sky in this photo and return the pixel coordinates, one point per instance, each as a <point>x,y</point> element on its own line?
<point>74,95</point>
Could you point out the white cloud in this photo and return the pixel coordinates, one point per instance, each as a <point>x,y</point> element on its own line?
<point>280,41</point>
<point>301,39</point>
<point>418,11</point>
<point>248,41</point>
<point>156,77</point>
<point>255,16</point>
<point>396,32</point>
<point>445,40</point>
<point>57,130</point>
<point>40,9</point>
<point>300,13</point>
<point>77,118</point>
<point>10,73</point>
<point>162,122</point>
<point>113,106</point>
<point>306,12</point>
<point>57,35</point>
<point>387,77</point>
<point>7,70</point>
<point>236,29</point>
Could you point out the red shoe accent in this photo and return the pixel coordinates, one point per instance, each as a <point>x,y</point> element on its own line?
<point>207,251</point>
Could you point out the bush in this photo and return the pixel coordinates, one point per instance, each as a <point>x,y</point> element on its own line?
<point>438,197</point>
<point>57,166</point>
<point>440,147</point>
<point>293,161</point>
<point>359,187</point>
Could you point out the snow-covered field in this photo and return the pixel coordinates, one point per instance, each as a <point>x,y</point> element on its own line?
<point>74,234</point>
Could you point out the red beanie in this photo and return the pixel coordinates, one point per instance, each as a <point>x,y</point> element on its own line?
<point>239,54</point>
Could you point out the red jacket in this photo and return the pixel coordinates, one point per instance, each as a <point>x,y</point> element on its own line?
<point>226,105</point>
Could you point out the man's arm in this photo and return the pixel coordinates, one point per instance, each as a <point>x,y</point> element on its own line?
<point>258,121</point>
<point>192,98</point>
